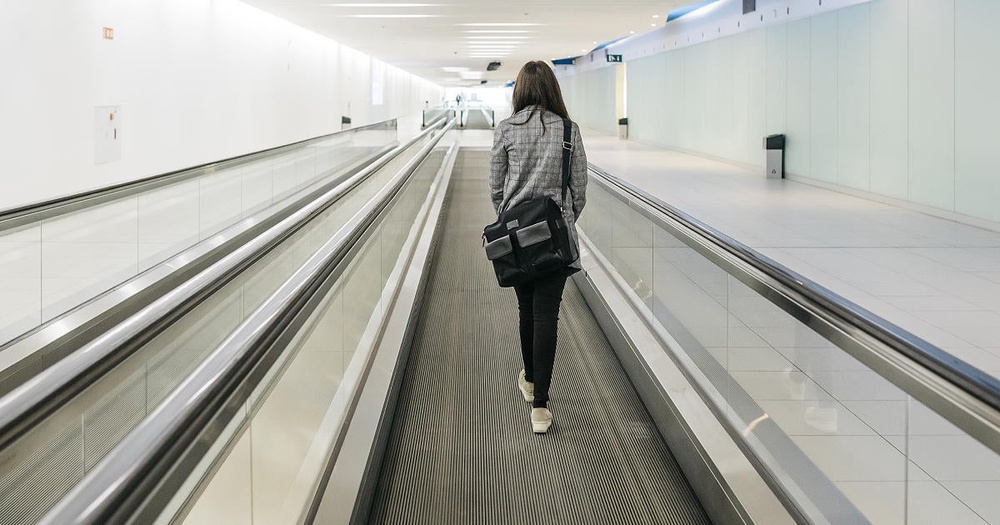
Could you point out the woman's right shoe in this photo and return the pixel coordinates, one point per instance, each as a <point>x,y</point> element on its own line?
<point>541,420</point>
<point>527,389</point>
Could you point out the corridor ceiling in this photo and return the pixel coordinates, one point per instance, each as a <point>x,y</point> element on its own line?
<point>451,42</point>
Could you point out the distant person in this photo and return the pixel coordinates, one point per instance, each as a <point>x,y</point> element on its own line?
<point>525,163</point>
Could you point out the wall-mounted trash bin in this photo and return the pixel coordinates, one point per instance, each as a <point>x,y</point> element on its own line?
<point>623,128</point>
<point>774,164</point>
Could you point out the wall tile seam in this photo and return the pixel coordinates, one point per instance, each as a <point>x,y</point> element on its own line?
<point>954,95</point>
<point>869,142</point>
<point>909,102</point>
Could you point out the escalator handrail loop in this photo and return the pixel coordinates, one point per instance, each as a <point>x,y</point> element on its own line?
<point>110,490</point>
<point>22,215</point>
<point>23,407</point>
<point>919,368</point>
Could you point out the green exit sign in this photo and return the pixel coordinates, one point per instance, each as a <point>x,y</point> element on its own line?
<point>614,58</point>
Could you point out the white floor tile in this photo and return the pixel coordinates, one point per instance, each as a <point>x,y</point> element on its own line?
<point>905,260</point>
<point>169,214</point>
<point>756,359</point>
<point>741,335</point>
<point>806,418</point>
<point>75,272</point>
<point>220,202</point>
<point>882,502</point>
<point>888,418</point>
<point>857,385</point>
<point>821,359</point>
<point>930,503</point>
<point>980,496</point>
<point>257,190</point>
<point>114,222</point>
<point>925,422</point>
<point>786,385</point>
<point>954,458</point>
<point>854,458</point>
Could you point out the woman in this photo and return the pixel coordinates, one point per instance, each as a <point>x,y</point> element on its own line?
<point>525,163</point>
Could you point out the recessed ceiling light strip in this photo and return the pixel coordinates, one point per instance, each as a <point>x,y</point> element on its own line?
<point>501,24</point>
<point>383,5</point>
<point>394,16</point>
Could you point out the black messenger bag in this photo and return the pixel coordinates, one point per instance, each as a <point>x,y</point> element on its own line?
<point>532,239</point>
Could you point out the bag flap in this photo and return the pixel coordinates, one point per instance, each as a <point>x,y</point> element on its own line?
<point>498,248</point>
<point>534,234</point>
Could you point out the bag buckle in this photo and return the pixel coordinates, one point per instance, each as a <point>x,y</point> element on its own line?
<point>568,145</point>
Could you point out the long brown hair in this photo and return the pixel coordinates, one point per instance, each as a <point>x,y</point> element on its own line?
<point>536,85</point>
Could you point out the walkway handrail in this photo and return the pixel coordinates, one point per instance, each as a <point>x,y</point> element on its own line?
<point>120,484</point>
<point>21,215</point>
<point>922,370</point>
<point>23,407</point>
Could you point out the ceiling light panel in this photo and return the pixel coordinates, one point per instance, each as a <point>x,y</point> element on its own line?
<point>383,5</point>
<point>501,24</point>
<point>490,31</point>
<point>394,16</point>
<point>497,37</point>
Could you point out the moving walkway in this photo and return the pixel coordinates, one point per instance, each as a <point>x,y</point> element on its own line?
<point>352,360</point>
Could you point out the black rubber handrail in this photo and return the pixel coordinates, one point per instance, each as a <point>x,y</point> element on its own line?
<point>955,371</point>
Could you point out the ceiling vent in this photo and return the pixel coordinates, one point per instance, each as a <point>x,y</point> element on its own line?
<point>493,66</point>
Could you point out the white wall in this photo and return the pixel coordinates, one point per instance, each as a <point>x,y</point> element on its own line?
<point>891,97</point>
<point>197,81</point>
<point>590,98</point>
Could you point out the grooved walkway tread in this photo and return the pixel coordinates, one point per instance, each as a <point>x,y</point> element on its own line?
<point>461,448</point>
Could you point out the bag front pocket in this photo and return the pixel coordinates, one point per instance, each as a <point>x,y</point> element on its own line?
<point>534,234</point>
<point>499,247</point>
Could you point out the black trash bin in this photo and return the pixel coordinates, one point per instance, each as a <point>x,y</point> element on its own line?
<point>774,164</point>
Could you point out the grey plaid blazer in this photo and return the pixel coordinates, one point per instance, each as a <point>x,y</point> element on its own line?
<point>526,163</point>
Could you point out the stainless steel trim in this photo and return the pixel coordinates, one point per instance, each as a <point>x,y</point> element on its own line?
<point>915,366</point>
<point>15,217</point>
<point>24,406</point>
<point>140,460</point>
<point>352,471</point>
<point>27,355</point>
<point>726,482</point>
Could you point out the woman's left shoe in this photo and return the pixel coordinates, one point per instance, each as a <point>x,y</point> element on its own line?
<point>527,388</point>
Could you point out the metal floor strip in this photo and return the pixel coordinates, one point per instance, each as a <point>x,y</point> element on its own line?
<point>461,448</point>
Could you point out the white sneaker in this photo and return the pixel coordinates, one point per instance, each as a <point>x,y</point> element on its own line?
<point>527,389</point>
<point>541,420</point>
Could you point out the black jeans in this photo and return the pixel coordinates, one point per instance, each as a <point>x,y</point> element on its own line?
<point>538,306</point>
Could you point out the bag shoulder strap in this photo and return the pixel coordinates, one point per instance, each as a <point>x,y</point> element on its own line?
<point>567,146</point>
